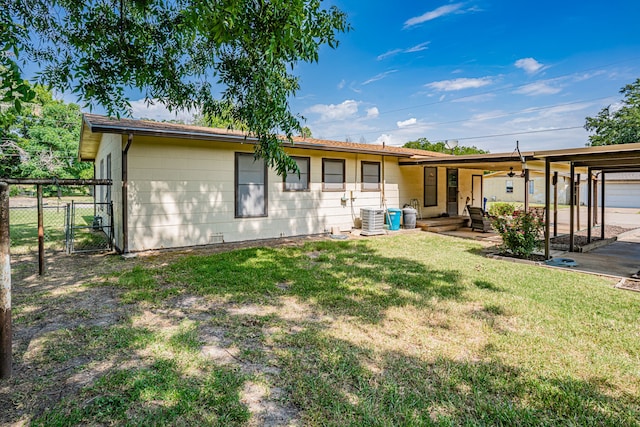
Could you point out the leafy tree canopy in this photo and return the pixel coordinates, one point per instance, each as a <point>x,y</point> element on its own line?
<point>441,147</point>
<point>42,140</point>
<point>202,56</point>
<point>617,126</point>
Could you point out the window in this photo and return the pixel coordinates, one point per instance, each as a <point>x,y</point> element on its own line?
<point>250,186</point>
<point>370,176</point>
<point>531,187</point>
<point>333,175</point>
<point>509,186</point>
<point>293,182</point>
<point>430,187</point>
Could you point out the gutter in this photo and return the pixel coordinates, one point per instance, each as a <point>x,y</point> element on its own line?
<point>125,195</point>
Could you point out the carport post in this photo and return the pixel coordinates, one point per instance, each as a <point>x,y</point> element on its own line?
<point>572,204</point>
<point>555,204</point>
<point>526,190</point>
<point>547,203</point>
<point>577,193</point>
<point>602,208</point>
<point>5,284</point>
<point>589,203</point>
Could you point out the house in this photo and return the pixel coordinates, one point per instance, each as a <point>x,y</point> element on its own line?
<point>623,190</point>
<point>501,187</point>
<point>178,185</point>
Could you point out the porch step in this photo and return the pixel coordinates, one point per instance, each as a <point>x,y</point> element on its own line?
<point>442,224</point>
<point>440,228</point>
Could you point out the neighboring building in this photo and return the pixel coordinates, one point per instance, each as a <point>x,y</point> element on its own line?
<point>499,187</point>
<point>179,185</point>
<point>622,190</point>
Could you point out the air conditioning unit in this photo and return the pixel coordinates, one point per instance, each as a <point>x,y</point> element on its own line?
<point>372,221</point>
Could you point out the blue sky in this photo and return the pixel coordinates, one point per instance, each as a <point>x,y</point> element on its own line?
<point>466,70</point>
<point>471,70</point>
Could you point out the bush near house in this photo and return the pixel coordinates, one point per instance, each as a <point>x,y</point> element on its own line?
<point>501,209</point>
<point>520,232</point>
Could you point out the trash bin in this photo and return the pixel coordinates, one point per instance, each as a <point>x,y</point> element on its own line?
<point>393,215</point>
<point>409,218</point>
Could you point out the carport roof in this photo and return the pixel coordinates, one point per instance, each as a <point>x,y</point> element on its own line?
<point>610,158</point>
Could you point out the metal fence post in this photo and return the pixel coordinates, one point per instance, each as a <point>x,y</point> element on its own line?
<point>5,284</point>
<point>40,231</point>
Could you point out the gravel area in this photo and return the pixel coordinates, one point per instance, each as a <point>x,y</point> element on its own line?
<point>580,237</point>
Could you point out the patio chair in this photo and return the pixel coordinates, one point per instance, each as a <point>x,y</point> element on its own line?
<point>480,220</point>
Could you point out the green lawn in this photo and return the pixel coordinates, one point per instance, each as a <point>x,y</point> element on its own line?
<point>414,329</point>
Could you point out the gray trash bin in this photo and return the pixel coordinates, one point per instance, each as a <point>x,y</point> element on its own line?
<point>409,217</point>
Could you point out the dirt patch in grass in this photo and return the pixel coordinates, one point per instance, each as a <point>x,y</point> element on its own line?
<point>55,315</point>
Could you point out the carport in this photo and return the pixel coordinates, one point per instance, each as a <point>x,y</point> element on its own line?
<point>595,162</point>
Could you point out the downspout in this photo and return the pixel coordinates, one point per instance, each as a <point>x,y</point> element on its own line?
<point>125,195</point>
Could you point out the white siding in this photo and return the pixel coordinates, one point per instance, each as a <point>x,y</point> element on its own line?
<point>112,144</point>
<point>181,193</point>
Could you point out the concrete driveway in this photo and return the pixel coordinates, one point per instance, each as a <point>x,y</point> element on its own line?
<point>621,258</point>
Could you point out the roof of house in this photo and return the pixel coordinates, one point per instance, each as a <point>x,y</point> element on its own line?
<point>93,126</point>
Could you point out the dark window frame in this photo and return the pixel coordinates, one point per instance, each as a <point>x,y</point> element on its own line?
<point>508,188</point>
<point>362,183</point>
<point>235,189</point>
<point>435,186</point>
<point>344,172</point>
<point>308,172</point>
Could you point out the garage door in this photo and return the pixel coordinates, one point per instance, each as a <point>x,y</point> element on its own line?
<point>625,195</point>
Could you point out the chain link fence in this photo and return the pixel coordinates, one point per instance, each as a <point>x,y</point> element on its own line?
<point>72,222</point>
<point>24,228</point>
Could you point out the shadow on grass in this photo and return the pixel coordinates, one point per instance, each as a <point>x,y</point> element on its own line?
<point>341,278</point>
<point>328,378</point>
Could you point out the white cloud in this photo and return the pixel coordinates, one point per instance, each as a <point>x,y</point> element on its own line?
<point>459,84</point>
<point>388,54</point>
<point>157,111</point>
<point>538,88</point>
<point>476,98</point>
<point>418,48</point>
<point>405,123</point>
<point>431,15</point>
<point>529,65</point>
<point>385,138</point>
<point>341,111</point>
<point>372,112</point>
<point>378,77</point>
<point>341,84</point>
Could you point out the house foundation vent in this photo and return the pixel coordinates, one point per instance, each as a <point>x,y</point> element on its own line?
<point>216,238</point>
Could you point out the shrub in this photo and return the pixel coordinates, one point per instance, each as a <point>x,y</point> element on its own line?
<point>520,232</point>
<point>502,209</point>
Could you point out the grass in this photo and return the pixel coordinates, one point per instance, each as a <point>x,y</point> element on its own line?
<point>408,330</point>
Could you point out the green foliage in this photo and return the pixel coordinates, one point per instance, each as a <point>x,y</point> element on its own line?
<point>41,140</point>
<point>14,90</point>
<point>617,126</point>
<point>501,209</point>
<point>203,56</point>
<point>520,232</point>
<point>441,147</point>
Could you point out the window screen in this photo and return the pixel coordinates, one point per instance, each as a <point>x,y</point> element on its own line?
<point>295,182</point>
<point>430,187</point>
<point>251,180</point>
<point>333,174</point>
<point>370,176</point>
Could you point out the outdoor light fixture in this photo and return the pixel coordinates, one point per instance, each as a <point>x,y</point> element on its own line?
<point>511,173</point>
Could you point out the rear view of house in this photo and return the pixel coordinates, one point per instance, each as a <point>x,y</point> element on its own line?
<point>177,185</point>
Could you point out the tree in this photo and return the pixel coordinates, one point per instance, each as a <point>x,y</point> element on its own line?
<point>440,147</point>
<point>186,54</point>
<point>617,126</point>
<point>41,141</point>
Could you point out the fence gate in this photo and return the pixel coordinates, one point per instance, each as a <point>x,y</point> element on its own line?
<point>89,227</point>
